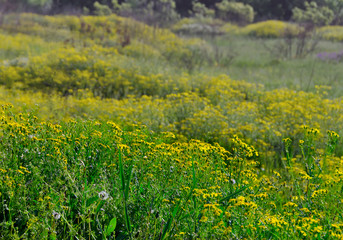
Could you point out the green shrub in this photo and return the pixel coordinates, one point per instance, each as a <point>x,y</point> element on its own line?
<point>200,10</point>
<point>337,7</point>
<point>333,33</point>
<point>235,11</point>
<point>158,12</point>
<point>270,29</point>
<point>313,14</point>
<point>102,10</point>
<point>204,25</point>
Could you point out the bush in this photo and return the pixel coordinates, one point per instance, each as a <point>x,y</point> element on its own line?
<point>336,6</point>
<point>205,26</point>
<point>333,33</point>
<point>101,10</point>
<point>271,28</point>
<point>230,28</point>
<point>313,14</point>
<point>235,11</point>
<point>160,12</point>
<point>200,10</point>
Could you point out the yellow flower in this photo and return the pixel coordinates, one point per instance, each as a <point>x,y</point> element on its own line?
<point>204,219</point>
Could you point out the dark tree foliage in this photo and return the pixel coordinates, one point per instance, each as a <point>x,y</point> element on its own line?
<point>8,6</point>
<point>60,6</point>
<point>265,9</point>
<point>274,9</point>
<point>183,7</point>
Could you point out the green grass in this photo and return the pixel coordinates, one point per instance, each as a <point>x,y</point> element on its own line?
<point>163,145</point>
<point>253,62</point>
<point>95,180</point>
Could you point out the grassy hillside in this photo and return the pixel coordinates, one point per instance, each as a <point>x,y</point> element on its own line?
<point>111,129</point>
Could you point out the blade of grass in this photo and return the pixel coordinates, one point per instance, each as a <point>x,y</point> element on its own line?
<point>174,214</point>
<point>125,189</point>
<point>127,185</point>
<point>194,198</point>
<point>170,219</point>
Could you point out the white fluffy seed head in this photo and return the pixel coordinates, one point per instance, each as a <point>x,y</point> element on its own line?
<point>56,215</point>
<point>103,195</point>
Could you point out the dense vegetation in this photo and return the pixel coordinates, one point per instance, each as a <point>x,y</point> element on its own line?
<point>264,9</point>
<point>111,129</point>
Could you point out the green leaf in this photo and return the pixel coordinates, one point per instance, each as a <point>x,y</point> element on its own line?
<point>174,214</point>
<point>110,228</point>
<point>121,173</point>
<point>127,186</point>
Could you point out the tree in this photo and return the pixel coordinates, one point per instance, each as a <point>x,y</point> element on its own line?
<point>313,14</point>
<point>235,12</point>
<point>200,10</point>
<point>336,6</point>
<point>101,9</point>
<point>20,5</point>
<point>158,12</point>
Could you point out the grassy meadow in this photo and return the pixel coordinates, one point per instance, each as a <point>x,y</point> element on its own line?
<point>112,129</point>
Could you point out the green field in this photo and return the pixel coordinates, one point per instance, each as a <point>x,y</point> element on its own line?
<point>111,129</point>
